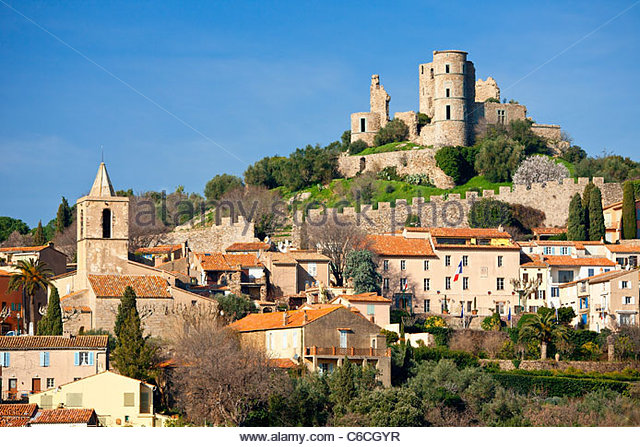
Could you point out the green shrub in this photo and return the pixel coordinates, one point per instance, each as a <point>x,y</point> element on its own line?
<point>395,130</point>
<point>556,386</point>
<point>457,162</point>
<point>441,335</point>
<point>357,146</point>
<point>490,213</point>
<point>392,337</point>
<point>462,359</point>
<point>388,173</point>
<point>492,323</point>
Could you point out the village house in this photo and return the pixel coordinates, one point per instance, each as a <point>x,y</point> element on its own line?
<point>118,401</point>
<point>626,255</point>
<point>613,221</point>
<point>419,269</point>
<point>90,295</point>
<point>237,273</point>
<point>30,364</point>
<point>11,306</point>
<point>319,338</point>
<point>375,307</point>
<point>544,233</point>
<point>293,272</point>
<point>605,300</point>
<point>256,248</point>
<point>161,254</point>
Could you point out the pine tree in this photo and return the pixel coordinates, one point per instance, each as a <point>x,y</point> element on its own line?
<point>63,218</point>
<point>575,225</point>
<point>361,267</point>
<point>133,356</point>
<point>629,225</point>
<point>127,305</point>
<point>596,215</point>
<point>38,236</point>
<point>51,323</point>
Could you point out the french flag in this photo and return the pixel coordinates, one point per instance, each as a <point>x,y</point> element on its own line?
<point>458,272</point>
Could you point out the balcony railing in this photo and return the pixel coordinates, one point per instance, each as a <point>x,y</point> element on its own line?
<point>342,352</point>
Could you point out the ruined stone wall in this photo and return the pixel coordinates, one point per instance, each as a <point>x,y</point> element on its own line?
<point>420,161</point>
<point>487,89</point>
<point>552,198</point>
<point>214,238</point>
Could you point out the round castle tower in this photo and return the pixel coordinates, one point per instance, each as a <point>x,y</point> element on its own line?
<point>453,97</point>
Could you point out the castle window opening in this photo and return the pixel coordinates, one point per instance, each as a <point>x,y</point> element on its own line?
<point>363,124</point>
<point>106,223</point>
<point>422,69</point>
<point>363,163</point>
<point>448,112</point>
<point>447,92</point>
<point>501,116</point>
<point>432,73</point>
<point>447,68</point>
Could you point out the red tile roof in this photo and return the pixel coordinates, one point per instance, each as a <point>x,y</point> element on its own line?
<point>571,261</point>
<point>228,261</point>
<point>81,309</point>
<point>465,232</point>
<point>23,249</point>
<point>308,255</point>
<point>548,230</point>
<point>73,294</point>
<point>624,248</point>
<point>159,249</point>
<point>531,260</point>
<point>371,297</point>
<point>65,416</point>
<point>283,363</point>
<point>27,342</point>
<point>275,320</point>
<point>14,422</point>
<point>385,245</point>
<point>248,246</point>
<point>112,286</point>
<point>18,410</point>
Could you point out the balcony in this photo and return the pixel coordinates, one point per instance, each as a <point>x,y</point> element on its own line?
<point>334,351</point>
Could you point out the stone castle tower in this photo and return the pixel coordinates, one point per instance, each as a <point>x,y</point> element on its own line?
<point>103,229</point>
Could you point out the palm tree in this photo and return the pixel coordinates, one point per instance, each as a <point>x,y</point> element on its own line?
<point>543,328</point>
<point>30,277</point>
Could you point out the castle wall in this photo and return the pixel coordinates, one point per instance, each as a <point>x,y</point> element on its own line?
<point>552,198</point>
<point>419,161</point>
<point>487,89</point>
<point>372,126</point>
<point>214,238</point>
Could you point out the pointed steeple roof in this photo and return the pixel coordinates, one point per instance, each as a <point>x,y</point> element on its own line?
<point>102,186</point>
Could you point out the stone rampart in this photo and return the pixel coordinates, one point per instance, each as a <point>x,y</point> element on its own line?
<point>213,238</point>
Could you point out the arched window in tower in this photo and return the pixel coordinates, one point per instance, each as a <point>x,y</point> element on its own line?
<point>106,223</point>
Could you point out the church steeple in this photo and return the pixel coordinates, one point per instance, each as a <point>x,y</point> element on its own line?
<point>102,186</point>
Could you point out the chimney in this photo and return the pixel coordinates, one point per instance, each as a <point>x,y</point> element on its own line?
<point>305,318</point>
<point>285,318</point>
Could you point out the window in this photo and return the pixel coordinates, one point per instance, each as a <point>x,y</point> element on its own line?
<point>626,319</point>
<point>44,359</point>
<point>126,418</point>
<point>499,283</point>
<point>363,124</point>
<point>371,309</point>
<point>465,283</point>
<point>500,261</point>
<point>448,112</point>
<point>447,283</point>
<point>447,260</point>
<point>5,359</point>
<point>427,284</point>
<point>525,277</point>
<point>284,340</point>
<point>385,283</point>
<point>627,300</point>
<point>465,260</point>
<point>385,265</point>
<point>484,272</point>
<point>51,382</point>
<point>73,400</point>
<point>555,292</point>
<point>625,285</point>
<point>403,283</point>
<point>270,340</point>
<point>447,68</point>
<point>343,339</point>
<point>565,250</point>
<point>425,265</point>
<point>129,399</point>
<point>81,224</point>
<point>447,92</point>
<point>106,223</point>
<point>145,404</point>
<point>83,358</point>
<point>548,250</point>
<point>591,272</point>
<point>426,306</point>
<point>539,277</point>
<point>501,116</point>
<point>500,307</point>
<point>541,294</point>
<point>403,265</point>
<point>313,269</point>
<point>294,340</point>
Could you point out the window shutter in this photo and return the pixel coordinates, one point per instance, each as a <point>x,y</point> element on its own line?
<point>46,359</point>
<point>76,358</point>
<point>91,358</point>
<point>2,359</point>
<point>42,361</point>
<point>7,358</point>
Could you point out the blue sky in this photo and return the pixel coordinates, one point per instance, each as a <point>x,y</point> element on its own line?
<point>262,78</point>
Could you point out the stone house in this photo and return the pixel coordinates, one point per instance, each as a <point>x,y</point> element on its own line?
<point>604,300</point>
<point>30,364</point>
<point>419,269</point>
<point>318,338</point>
<point>118,401</point>
<point>161,254</point>
<point>375,307</point>
<point>236,273</point>
<point>249,247</point>
<point>293,272</point>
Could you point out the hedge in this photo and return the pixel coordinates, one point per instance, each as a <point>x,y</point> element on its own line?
<point>557,386</point>
<point>462,359</point>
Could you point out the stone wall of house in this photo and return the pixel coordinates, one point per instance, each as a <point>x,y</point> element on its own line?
<point>420,161</point>
<point>214,238</point>
<point>552,198</point>
<point>533,365</point>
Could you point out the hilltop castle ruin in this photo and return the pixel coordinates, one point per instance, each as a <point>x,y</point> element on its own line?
<point>459,106</point>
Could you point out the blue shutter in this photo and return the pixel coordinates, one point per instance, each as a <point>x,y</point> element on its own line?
<point>76,358</point>
<point>7,359</point>
<point>46,359</point>
<point>42,360</point>
<point>91,358</point>
<point>1,359</point>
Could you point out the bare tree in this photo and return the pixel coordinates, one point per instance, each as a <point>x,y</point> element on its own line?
<point>256,204</point>
<point>336,241</point>
<point>145,228</point>
<point>16,239</point>
<point>217,380</point>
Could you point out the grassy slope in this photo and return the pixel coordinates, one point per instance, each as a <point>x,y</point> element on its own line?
<point>391,147</point>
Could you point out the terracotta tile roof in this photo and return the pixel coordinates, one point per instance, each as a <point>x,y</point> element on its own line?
<point>308,255</point>
<point>624,248</point>
<point>467,232</point>
<point>112,286</point>
<point>73,294</point>
<point>398,245</point>
<point>159,249</point>
<point>365,298</point>
<point>81,309</point>
<point>548,230</point>
<point>508,246</point>
<point>23,249</point>
<point>4,273</point>
<point>14,422</point>
<point>571,261</point>
<point>283,363</point>
<point>64,275</point>
<point>65,416</point>
<point>599,278</point>
<point>274,320</point>
<point>18,410</point>
<point>531,260</point>
<point>248,246</point>
<point>228,261</point>
<point>26,342</point>
<point>282,259</point>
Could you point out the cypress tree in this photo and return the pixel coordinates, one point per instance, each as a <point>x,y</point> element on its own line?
<point>51,323</point>
<point>126,306</point>
<point>586,197</point>
<point>38,236</point>
<point>629,225</point>
<point>596,215</point>
<point>133,357</point>
<point>575,225</point>
<point>63,218</point>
